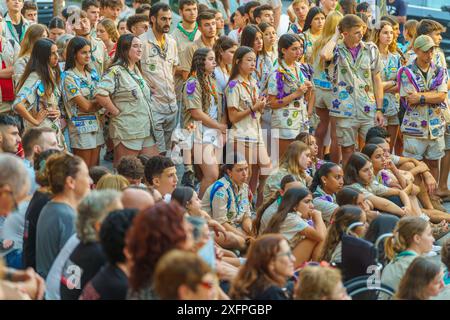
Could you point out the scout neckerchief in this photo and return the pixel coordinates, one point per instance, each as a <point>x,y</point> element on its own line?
<point>252,93</point>
<point>406,253</point>
<point>285,73</point>
<point>13,31</point>
<point>418,84</point>
<point>212,90</point>
<point>189,35</point>
<point>235,197</point>
<point>260,65</point>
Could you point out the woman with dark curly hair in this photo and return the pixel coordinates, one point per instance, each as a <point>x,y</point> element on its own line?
<point>146,244</point>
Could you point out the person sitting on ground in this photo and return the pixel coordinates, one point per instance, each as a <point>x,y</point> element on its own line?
<point>112,181</point>
<point>270,206</point>
<point>305,238</point>
<point>132,169</point>
<point>345,216</point>
<point>160,173</point>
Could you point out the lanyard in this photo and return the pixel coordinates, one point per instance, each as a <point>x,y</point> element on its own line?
<point>13,31</point>
<point>252,94</point>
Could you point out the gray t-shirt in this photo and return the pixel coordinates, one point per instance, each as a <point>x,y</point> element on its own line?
<point>55,226</point>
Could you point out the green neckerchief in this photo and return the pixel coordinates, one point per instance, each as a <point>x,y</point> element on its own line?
<point>13,31</point>
<point>190,35</point>
<point>405,253</point>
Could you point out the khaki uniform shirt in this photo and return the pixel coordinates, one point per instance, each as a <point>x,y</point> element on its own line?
<point>352,82</point>
<point>242,95</point>
<point>218,208</point>
<point>8,54</point>
<point>396,269</point>
<point>389,70</point>
<point>31,94</point>
<point>183,43</point>
<point>423,121</point>
<point>19,68</point>
<point>81,125</point>
<point>274,180</point>
<point>99,56</point>
<point>9,32</point>
<point>131,95</point>
<point>158,69</point>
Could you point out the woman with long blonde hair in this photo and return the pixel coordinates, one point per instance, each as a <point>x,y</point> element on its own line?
<point>107,32</point>
<point>33,34</point>
<point>390,64</point>
<point>323,87</point>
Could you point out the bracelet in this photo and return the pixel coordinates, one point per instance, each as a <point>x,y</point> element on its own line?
<point>381,110</point>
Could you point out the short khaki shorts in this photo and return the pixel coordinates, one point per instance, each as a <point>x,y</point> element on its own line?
<point>136,144</point>
<point>391,120</point>
<point>347,130</point>
<point>423,148</point>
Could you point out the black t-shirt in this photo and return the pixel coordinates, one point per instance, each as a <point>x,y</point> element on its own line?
<point>273,293</point>
<point>85,261</point>
<point>38,201</point>
<point>18,28</point>
<point>110,283</point>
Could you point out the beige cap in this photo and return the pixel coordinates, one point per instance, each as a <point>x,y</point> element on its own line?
<point>424,43</point>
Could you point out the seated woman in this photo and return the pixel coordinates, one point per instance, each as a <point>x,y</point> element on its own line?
<point>227,201</point>
<point>388,175</point>
<point>290,220</point>
<point>264,276</point>
<point>345,216</point>
<point>296,160</point>
<point>320,283</point>
<point>411,238</point>
<point>310,141</point>
<point>422,281</point>
<point>355,197</point>
<point>328,180</point>
<point>358,173</point>
<point>270,207</point>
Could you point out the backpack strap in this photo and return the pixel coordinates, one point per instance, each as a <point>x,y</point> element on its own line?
<point>216,186</point>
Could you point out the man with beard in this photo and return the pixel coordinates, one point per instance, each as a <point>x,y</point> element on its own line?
<point>159,60</point>
<point>9,135</point>
<point>207,26</point>
<point>99,53</point>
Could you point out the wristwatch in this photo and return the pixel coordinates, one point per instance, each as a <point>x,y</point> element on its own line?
<point>422,99</point>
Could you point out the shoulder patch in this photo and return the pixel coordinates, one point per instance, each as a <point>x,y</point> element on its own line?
<point>220,194</point>
<point>190,86</point>
<point>232,84</point>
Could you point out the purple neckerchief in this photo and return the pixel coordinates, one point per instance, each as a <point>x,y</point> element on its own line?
<point>307,70</point>
<point>437,81</point>
<point>280,86</point>
<point>385,178</point>
<point>354,52</point>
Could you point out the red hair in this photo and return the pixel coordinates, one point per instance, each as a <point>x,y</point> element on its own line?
<point>155,231</point>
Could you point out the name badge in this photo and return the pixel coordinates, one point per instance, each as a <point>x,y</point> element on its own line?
<point>86,124</point>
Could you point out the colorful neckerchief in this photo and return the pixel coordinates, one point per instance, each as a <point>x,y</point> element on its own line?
<point>285,73</point>
<point>189,35</point>
<point>236,198</point>
<point>252,92</point>
<point>212,90</point>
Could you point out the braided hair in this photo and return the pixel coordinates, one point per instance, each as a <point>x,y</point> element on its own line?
<point>198,71</point>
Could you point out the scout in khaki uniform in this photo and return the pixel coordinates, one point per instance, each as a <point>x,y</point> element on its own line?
<point>357,86</point>
<point>287,89</point>
<point>12,19</point>
<point>203,109</point>
<point>244,106</point>
<point>185,33</point>
<point>227,201</point>
<point>31,97</point>
<point>124,92</point>
<point>8,51</point>
<point>158,62</point>
<point>85,130</point>
<point>423,88</point>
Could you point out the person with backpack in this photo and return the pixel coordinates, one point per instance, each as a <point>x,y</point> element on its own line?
<point>228,201</point>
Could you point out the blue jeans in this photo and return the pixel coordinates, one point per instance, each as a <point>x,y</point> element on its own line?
<point>14,259</point>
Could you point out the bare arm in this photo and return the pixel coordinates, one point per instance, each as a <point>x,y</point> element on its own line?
<point>327,51</point>
<point>86,105</point>
<point>6,73</point>
<point>385,205</point>
<point>106,102</point>
<point>206,120</point>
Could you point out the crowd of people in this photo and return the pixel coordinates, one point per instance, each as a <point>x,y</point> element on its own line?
<point>239,153</point>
